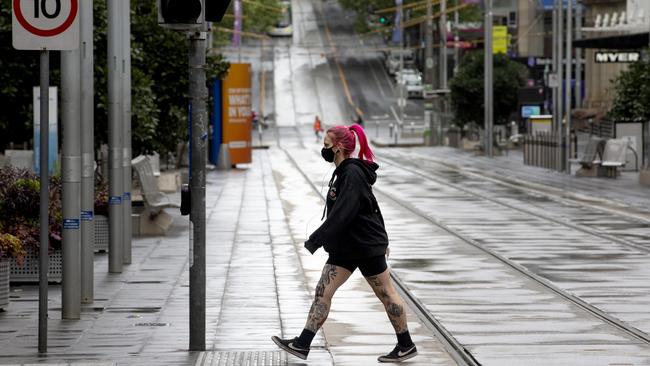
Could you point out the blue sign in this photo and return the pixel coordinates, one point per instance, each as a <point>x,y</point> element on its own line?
<point>87,216</point>
<point>530,110</point>
<point>126,196</point>
<point>115,200</point>
<point>71,224</point>
<point>549,4</point>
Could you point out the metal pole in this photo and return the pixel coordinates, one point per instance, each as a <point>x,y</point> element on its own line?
<point>554,88</point>
<point>443,44</point>
<point>43,263</point>
<point>198,96</point>
<point>71,181</point>
<point>87,153</point>
<point>401,103</point>
<point>488,110</point>
<point>567,99</point>
<point>126,142</point>
<point>443,69</point>
<point>115,168</point>
<point>428,44</point>
<point>578,69</point>
<point>560,78</point>
<point>456,40</point>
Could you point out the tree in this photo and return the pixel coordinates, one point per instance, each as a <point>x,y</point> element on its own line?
<point>259,15</point>
<point>632,94</point>
<point>19,74</point>
<point>159,81</point>
<point>467,88</point>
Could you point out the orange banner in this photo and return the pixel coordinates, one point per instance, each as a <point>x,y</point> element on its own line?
<point>237,113</point>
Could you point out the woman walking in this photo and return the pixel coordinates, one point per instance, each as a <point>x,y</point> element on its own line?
<point>354,236</point>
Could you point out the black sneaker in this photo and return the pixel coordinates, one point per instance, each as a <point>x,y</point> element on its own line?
<point>291,346</point>
<point>399,354</point>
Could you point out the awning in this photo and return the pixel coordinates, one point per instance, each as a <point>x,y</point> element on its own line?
<point>618,42</point>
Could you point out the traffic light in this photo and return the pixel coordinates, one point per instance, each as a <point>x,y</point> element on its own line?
<point>190,14</point>
<point>181,11</point>
<point>215,9</point>
<point>383,20</point>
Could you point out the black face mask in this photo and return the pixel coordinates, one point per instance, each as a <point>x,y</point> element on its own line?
<point>328,154</point>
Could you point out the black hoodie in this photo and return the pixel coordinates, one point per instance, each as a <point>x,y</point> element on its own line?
<point>354,228</point>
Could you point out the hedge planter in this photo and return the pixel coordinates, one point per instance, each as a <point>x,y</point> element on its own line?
<point>5,264</point>
<point>28,272</point>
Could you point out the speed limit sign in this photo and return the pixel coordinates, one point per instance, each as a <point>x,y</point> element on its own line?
<point>45,24</point>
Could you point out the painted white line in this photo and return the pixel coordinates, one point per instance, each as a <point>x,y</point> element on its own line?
<point>399,121</point>
<point>381,90</point>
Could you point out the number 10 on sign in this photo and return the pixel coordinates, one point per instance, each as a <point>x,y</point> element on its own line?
<point>45,24</point>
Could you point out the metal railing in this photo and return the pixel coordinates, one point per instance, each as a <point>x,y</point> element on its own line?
<point>543,150</point>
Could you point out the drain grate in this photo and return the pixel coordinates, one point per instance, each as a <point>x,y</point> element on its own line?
<point>243,358</point>
<point>152,325</point>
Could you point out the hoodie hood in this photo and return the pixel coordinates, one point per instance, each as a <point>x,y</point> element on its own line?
<point>368,168</point>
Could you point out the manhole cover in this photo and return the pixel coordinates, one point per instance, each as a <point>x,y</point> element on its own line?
<point>243,358</point>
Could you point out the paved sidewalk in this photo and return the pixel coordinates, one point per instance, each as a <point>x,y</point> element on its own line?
<point>259,283</point>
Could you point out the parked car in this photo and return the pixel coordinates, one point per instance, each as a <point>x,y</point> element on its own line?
<point>392,62</point>
<point>411,70</point>
<point>284,27</point>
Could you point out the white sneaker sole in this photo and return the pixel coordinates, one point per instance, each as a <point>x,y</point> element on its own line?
<point>395,360</point>
<point>276,340</point>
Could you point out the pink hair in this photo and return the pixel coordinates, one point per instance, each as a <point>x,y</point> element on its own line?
<point>345,136</point>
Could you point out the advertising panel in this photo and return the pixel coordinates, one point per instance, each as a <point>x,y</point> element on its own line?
<point>237,113</point>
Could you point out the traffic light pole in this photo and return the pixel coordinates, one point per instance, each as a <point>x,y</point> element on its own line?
<point>198,96</point>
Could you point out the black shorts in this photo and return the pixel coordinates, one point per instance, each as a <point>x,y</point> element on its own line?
<point>368,266</point>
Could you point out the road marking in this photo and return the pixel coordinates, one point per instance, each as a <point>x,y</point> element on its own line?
<point>399,121</point>
<point>344,81</point>
<point>381,90</point>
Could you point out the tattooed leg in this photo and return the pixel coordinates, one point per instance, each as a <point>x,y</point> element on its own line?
<point>384,290</point>
<point>331,279</point>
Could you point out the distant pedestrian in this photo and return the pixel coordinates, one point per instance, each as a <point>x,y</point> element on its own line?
<point>318,128</point>
<point>355,237</point>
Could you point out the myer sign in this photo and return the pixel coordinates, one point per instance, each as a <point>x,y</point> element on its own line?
<point>617,57</point>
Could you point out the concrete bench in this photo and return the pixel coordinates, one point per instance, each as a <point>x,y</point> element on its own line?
<point>154,220</point>
<point>151,194</point>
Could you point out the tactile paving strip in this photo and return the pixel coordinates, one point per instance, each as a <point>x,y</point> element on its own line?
<point>243,358</point>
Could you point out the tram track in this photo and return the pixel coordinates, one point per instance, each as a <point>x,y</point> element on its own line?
<point>450,344</point>
<point>446,338</point>
<point>596,233</point>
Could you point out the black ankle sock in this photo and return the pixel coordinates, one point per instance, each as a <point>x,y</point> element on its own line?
<point>306,337</point>
<point>404,339</point>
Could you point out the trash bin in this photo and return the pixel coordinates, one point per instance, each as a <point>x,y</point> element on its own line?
<point>453,134</point>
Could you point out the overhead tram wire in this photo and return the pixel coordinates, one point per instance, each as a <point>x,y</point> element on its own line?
<point>406,6</point>
<point>417,21</point>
